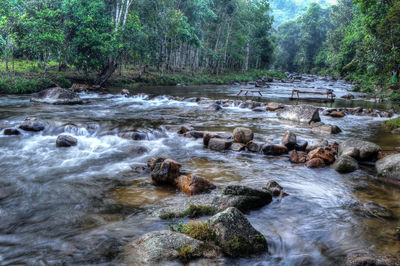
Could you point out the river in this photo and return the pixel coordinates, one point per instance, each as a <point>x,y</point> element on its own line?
<point>81,205</point>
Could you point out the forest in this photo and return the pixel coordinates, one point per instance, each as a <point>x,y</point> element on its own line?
<point>358,40</point>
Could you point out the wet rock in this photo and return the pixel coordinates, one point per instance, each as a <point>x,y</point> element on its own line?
<point>197,134</point>
<point>383,154</point>
<point>322,153</point>
<point>315,163</point>
<point>275,189</point>
<point>389,167</point>
<point>273,149</point>
<point>137,151</point>
<point>125,93</point>
<point>162,247</point>
<point>301,145</point>
<point>56,96</point>
<point>214,107</point>
<point>274,106</point>
<point>66,141</point>
<point>289,140</point>
<point>184,129</point>
<point>366,150</point>
<point>246,198</point>
<point>348,96</point>
<point>242,135</point>
<point>165,171</point>
<point>254,146</point>
<point>192,100</point>
<point>296,157</point>
<point>259,109</point>
<point>370,260</point>
<point>345,164</point>
<point>194,185</point>
<point>238,147</point>
<point>320,143</point>
<point>76,87</point>
<point>299,113</point>
<point>373,209</point>
<point>134,135</point>
<point>32,124</point>
<point>235,235</point>
<point>218,144</point>
<point>327,129</point>
<point>209,135</point>
<point>337,114</point>
<point>11,131</point>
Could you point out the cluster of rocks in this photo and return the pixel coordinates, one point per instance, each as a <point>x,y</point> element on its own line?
<point>165,171</point>
<point>358,111</point>
<point>57,95</point>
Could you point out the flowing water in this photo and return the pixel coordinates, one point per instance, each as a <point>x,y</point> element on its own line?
<point>81,205</point>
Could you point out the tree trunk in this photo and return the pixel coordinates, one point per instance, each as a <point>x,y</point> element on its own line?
<point>12,59</point>
<point>246,58</point>
<point>107,72</point>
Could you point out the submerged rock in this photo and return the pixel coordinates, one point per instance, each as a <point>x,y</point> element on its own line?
<point>32,124</point>
<point>373,209</point>
<point>300,113</point>
<point>359,149</point>
<point>160,247</point>
<point>56,96</point>
<point>345,164</point>
<point>242,135</point>
<point>235,235</point>
<point>11,131</point>
<point>193,185</point>
<point>275,189</point>
<point>389,167</point>
<point>66,141</point>
<point>134,135</point>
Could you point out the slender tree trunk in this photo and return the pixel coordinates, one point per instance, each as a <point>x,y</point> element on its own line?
<point>246,58</point>
<point>12,58</point>
<point>7,69</point>
<point>107,72</point>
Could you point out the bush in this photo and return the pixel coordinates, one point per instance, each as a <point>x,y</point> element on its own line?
<point>392,123</point>
<point>19,85</point>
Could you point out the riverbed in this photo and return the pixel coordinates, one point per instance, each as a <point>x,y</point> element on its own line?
<point>81,205</point>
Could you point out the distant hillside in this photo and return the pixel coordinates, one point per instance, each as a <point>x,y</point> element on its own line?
<point>284,10</point>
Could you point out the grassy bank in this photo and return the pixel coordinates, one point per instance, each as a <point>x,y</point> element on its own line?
<point>29,78</point>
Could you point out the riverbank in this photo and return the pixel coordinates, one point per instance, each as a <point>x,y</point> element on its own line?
<point>29,80</point>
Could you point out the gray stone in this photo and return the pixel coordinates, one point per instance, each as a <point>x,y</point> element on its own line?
<point>218,144</point>
<point>56,96</point>
<point>300,113</point>
<point>365,259</point>
<point>254,146</point>
<point>165,171</point>
<point>289,140</point>
<point>389,167</point>
<point>315,144</point>
<point>242,135</point>
<point>247,198</point>
<point>238,147</point>
<point>345,164</point>
<point>32,124</point>
<point>367,150</point>
<point>66,141</point>
<point>273,149</point>
<point>235,235</point>
<point>327,129</point>
<point>274,188</point>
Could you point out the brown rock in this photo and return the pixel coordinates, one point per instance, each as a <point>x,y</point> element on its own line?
<point>289,140</point>
<point>242,135</point>
<point>184,129</point>
<point>209,135</point>
<point>193,185</point>
<point>125,92</point>
<point>337,114</point>
<point>254,146</point>
<point>315,163</point>
<point>218,144</point>
<point>274,149</point>
<point>274,106</point>
<point>238,147</point>
<point>76,87</point>
<point>296,157</point>
<point>324,154</point>
<point>164,171</point>
<point>11,131</point>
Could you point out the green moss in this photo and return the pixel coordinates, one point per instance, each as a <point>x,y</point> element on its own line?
<point>392,123</point>
<point>199,230</point>
<point>193,211</point>
<point>238,245</point>
<point>185,253</point>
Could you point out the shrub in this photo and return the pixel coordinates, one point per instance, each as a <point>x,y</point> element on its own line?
<point>199,230</point>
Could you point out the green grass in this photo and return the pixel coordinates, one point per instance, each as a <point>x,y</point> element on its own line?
<point>392,123</point>
<point>185,253</point>
<point>199,230</point>
<point>18,85</point>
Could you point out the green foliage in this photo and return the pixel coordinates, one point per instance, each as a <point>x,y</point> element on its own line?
<point>392,123</point>
<point>19,85</point>
<point>199,230</point>
<point>238,245</point>
<point>185,253</point>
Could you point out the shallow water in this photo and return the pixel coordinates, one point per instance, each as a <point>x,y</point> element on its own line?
<point>74,205</point>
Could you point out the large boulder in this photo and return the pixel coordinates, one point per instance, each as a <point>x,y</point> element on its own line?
<point>289,140</point>
<point>345,164</point>
<point>165,171</point>
<point>273,149</point>
<point>56,96</point>
<point>158,247</point>
<point>66,141</point>
<point>359,149</point>
<point>32,124</point>
<point>242,135</point>
<point>235,235</point>
<point>300,113</point>
<point>246,198</point>
<point>193,184</point>
<point>389,167</point>
<point>218,144</point>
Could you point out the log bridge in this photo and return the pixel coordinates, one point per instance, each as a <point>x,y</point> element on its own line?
<point>330,96</point>
<point>246,91</point>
